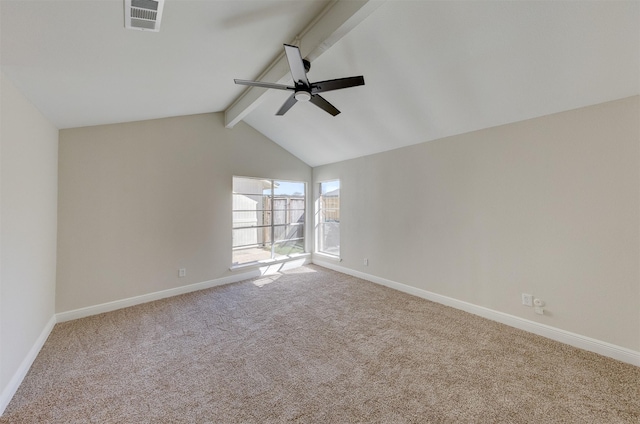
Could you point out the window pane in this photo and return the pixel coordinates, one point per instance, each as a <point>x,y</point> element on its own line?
<point>329,186</point>
<point>280,217</point>
<point>250,218</point>
<point>251,254</point>
<point>251,236</point>
<point>288,203</point>
<point>251,186</point>
<point>289,189</point>
<point>287,232</point>
<point>328,218</point>
<point>331,215</point>
<point>263,208</point>
<point>331,207</point>
<point>248,201</point>
<point>329,238</point>
<point>288,216</point>
<point>292,247</point>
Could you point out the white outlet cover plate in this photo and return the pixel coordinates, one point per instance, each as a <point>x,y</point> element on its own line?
<point>527,299</point>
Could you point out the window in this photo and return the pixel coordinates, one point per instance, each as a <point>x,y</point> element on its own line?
<point>268,219</point>
<point>328,234</point>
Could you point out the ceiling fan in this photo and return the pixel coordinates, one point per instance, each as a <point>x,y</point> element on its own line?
<point>303,90</point>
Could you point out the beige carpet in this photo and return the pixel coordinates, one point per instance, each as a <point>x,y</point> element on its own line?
<point>314,346</point>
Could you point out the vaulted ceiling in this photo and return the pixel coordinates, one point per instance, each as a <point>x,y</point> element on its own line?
<point>432,68</point>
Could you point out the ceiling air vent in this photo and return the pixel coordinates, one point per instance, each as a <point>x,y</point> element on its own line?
<point>143,15</point>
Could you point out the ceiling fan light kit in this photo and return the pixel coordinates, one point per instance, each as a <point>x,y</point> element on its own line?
<point>303,90</point>
<point>302,96</point>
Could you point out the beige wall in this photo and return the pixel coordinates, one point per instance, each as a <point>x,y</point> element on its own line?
<point>138,201</point>
<point>548,206</point>
<point>29,167</point>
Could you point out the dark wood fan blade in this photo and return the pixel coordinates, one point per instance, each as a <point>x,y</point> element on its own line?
<point>324,105</point>
<point>296,65</point>
<point>264,84</point>
<point>287,105</point>
<point>336,84</point>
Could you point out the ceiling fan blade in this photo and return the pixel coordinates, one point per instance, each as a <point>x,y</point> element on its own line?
<point>287,105</point>
<point>324,105</point>
<point>296,65</point>
<point>336,84</point>
<point>264,84</point>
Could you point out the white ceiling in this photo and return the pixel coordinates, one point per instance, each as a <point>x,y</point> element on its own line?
<point>432,69</point>
<point>79,65</point>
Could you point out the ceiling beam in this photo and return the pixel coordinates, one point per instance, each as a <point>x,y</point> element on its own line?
<point>333,23</point>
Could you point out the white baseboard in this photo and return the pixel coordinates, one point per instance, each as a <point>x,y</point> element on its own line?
<point>603,348</point>
<point>25,365</point>
<point>150,297</point>
<point>253,271</point>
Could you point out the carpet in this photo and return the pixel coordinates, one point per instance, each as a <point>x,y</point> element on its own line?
<point>312,345</point>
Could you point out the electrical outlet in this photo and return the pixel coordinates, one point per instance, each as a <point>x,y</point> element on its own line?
<point>182,272</point>
<point>527,299</point>
<point>366,262</point>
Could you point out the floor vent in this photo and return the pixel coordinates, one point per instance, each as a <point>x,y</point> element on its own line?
<point>143,15</point>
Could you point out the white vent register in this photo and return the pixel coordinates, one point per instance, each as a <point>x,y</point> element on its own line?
<point>143,15</point>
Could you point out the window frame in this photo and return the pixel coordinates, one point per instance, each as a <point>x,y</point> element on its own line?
<point>269,221</point>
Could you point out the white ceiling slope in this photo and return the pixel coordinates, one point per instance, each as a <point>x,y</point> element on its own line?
<point>432,68</point>
<point>78,64</point>
<point>436,69</point>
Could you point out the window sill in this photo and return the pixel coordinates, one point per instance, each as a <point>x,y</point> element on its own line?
<point>327,256</point>
<point>268,262</point>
